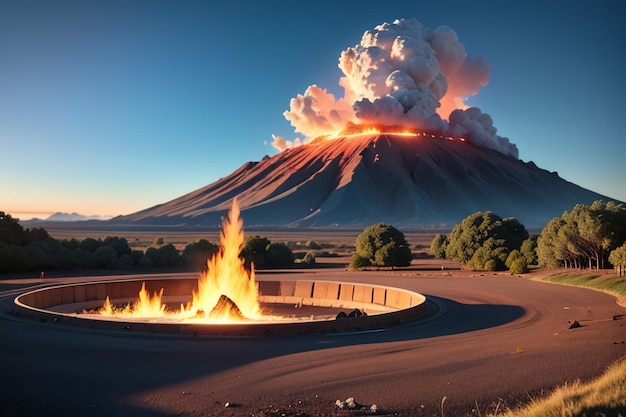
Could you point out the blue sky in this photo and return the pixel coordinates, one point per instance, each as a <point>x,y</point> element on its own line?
<point>110,107</point>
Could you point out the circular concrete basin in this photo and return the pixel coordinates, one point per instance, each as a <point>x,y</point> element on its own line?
<point>305,306</point>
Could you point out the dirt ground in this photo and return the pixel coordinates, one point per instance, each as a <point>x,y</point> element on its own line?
<point>490,340</point>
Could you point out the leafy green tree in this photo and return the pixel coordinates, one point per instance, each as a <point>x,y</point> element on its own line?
<point>279,255</point>
<point>90,244</point>
<point>617,258</point>
<point>168,256</point>
<point>197,253</point>
<point>106,257</point>
<point>582,237</point>
<point>516,262</point>
<point>438,246</point>
<point>483,240</point>
<point>119,244</point>
<point>12,232</point>
<point>382,245</point>
<point>358,261</point>
<point>529,250</point>
<point>255,252</point>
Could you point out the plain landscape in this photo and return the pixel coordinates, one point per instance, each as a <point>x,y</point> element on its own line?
<point>496,342</point>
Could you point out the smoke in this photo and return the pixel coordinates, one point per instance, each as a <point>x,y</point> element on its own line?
<point>401,74</point>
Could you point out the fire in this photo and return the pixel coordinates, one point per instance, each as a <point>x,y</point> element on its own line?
<point>227,291</point>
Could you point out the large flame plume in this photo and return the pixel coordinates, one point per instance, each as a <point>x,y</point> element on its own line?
<point>401,74</point>
<point>227,291</point>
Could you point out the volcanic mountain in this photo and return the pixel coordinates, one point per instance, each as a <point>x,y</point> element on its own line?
<point>357,180</point>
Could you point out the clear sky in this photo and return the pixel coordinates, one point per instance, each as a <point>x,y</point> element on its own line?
<point>110,107</point>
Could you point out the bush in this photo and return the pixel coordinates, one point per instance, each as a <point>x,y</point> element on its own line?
<point>309,259</point>
<point>279,255</point>
<point>383,245</point>
<point>311,244</point>
<point>106,257</point>
<point>197,254</point>
<point>255,252</point>
<point>359,262</point>
<point>519,266</point>
<point>438,246</point>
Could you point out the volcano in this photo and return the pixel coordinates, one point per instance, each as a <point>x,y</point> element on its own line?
<point>419,180</point>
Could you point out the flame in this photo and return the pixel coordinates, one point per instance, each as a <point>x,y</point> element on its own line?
<point>226,274</point>
<point>226,278</point>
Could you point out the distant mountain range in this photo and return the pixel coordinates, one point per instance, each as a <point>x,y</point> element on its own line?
<point>73,217</point>
<point>358,180</point>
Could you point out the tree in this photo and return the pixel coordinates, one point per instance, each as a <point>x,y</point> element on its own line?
<point>255,252</point>
<point>582,237</point>
<point>119,244</point>
<point>197,253</point>
<point>617,258</point>
<point>12,232</point>
<point>528,249</point>
<point>438,246</point>
<point>516,262</point>
<point>382,245</point>
<point>279,255</point>
<point>106,257</point>
<point>483,240</point>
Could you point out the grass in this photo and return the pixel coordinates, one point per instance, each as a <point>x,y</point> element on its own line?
<point>603,396</point>
<point>608,283</point>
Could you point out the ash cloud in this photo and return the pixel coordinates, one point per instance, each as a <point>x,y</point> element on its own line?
<point>401,73</point>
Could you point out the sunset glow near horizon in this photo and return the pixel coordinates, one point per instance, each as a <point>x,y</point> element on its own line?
<point>108,108</point>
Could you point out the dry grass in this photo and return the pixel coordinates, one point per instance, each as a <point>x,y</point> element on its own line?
<point>603,396</point>
<point>604,281</point>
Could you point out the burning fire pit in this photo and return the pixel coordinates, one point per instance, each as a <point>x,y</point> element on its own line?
<point>224,300</point>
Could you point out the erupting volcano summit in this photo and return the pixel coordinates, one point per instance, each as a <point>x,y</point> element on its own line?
<point>400,147</point>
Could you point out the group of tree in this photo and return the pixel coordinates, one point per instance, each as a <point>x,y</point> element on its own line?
<point>484,241</point>
<point>589,236</point>
<point>262,253</point>
<point>34,250</point>
<point>584,237</point>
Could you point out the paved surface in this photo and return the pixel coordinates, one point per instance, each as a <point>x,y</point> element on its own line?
<point>488,339</point>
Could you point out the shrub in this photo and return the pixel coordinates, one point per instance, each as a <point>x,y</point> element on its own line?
<point>359,261</point>
<point>106,257</point>
<point>438,246</point>
<point>309,259</point>
<point>279,255</point>
<point>255,252</point>
<point>311,244</point>
<point>196,254</point>
<point>383,245</point>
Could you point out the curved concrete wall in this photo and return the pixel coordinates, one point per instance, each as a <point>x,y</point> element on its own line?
<point>384,305</point>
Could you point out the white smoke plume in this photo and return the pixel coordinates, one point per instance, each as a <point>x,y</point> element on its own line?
<point>401,74</point>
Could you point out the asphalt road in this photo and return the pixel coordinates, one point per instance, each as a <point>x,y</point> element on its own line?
<point>488,340</point>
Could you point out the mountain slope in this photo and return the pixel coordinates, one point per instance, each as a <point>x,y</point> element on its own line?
<point>364,179</point>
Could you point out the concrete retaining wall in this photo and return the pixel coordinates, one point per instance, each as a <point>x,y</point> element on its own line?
<point>384,305</point>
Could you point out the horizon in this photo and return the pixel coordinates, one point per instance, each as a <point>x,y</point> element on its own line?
<point>110,109</point>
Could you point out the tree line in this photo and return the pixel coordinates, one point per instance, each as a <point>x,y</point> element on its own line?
<point>34,250</point>
<point>588,236</point>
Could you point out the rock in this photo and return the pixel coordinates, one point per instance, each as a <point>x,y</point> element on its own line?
<point>575,325</point>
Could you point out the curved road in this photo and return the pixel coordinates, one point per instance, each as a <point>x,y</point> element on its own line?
<point>488,340</point>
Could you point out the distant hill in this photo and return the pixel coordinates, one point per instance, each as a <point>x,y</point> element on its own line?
<point>73,217</point>
<point>359,180</point>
